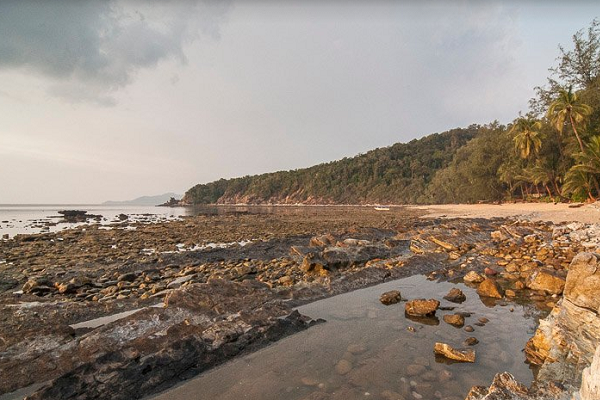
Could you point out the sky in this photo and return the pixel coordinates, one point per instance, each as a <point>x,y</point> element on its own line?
<point>111,100</point>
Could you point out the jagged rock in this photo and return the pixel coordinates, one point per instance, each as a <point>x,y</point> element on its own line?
<point>564,342</point>
<point>421,307</point>
<point>448,351</point>
<point>504,387</point>
<point>590,379</point>
<point>583,281</point>
<point>322,241</point>
<point>456,320</point>
<point>544,280</point>
<point>490,288</point>
<point>455,295</point>
<point>445,245</point>
<point>391,297</point>
<point>200,326</point>
<point>473,277</point>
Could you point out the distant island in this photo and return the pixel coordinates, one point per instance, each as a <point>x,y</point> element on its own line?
<point>144,200</point>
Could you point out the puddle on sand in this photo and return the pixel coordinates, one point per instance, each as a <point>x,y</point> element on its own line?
<point>365,350</point>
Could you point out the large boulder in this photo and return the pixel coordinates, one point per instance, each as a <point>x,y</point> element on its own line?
<point>490,288</point>
<point>546,281</point>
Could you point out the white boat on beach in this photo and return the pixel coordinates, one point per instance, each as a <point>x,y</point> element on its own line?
<point>382,208</point>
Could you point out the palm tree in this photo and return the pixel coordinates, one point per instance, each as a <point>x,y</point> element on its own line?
<point>589,162</point>
<point>527,136</point>
<point>568,107</point>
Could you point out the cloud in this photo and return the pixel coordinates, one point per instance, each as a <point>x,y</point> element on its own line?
<point>89,49</point>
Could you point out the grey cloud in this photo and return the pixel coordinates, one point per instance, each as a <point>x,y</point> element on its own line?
<point>89,48</point>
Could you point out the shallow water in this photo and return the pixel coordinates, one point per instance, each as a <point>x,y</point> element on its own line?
<point>36,218</point>
<point>385,357</point>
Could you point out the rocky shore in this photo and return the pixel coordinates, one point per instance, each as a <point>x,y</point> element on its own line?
<point>180,297</point>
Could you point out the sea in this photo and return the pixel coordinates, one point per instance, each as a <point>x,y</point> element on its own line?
<point>41,218</point>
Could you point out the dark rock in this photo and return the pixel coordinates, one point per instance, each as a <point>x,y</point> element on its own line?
<point>455,295</point>
<point>391,297</point>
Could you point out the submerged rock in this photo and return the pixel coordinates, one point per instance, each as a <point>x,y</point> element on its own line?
<point>448,351</point>
<point>421,307</point>
<point>391,297</point>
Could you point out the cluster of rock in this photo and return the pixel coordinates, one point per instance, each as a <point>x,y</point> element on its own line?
<point>199,326</point>
<point>566,344</point>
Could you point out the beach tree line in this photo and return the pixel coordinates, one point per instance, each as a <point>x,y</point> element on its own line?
<point>551,152</point>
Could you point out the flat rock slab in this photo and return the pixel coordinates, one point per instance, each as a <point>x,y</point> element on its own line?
<point>451,353</point>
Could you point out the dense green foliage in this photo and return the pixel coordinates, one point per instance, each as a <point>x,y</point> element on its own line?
<point>553,152</point>
<point>397,174</point>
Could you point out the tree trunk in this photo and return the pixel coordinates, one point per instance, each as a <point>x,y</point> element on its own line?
<point>575,132</point>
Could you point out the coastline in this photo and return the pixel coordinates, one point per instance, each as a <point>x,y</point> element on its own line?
<point>291,258</point>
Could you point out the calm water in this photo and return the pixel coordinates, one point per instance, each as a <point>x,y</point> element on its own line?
<point>15,219</point>
<point>387,360</point>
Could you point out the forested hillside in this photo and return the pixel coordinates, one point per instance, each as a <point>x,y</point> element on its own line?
<point>395,174</point>
<point>552,152</point>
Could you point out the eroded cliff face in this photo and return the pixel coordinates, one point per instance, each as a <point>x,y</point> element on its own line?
<point>566,344</point>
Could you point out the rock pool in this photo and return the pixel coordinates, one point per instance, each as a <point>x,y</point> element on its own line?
<point>367,350</point>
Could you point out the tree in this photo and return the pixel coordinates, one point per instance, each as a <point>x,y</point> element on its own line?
<point>527,136</point>
<point>579,67</point>
<point>567,107</point>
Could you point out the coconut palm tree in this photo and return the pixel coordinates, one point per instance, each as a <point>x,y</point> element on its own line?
<point>527,136</point>
<point>568,107</point>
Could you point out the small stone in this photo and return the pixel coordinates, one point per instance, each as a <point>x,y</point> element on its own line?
<point>390,395</point>
<point>469,328</point>
<point>490,272</point>
<point>391,297</point>
<point>343,367</point>
<point>455,296</point>
<point>455,320</point>
<point>356,349</point>
<point>421,307</point>
<point>306,381</point>
<point>128,277</point>
<point>414,369</point>
<point>470,341</point>
<point>519,285</point>
<point>473,277</point>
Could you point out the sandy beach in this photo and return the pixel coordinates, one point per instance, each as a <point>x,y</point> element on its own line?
<point>556,213</point>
